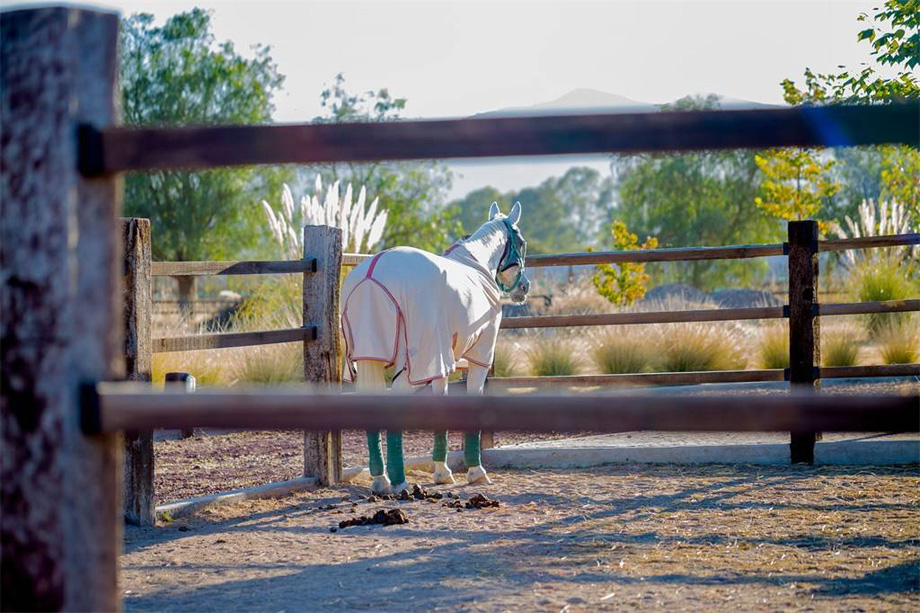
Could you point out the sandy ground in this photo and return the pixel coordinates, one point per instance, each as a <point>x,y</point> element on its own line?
<point>625,537</point>
<point>218,461</point>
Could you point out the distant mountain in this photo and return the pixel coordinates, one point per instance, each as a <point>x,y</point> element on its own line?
<point>577,101</point>
<point>584,100</point>
<point>507,174</point>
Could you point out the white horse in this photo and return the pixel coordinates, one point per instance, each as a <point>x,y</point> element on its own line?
<point>421,313</point>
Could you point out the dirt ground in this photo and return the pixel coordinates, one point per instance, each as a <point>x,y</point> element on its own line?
<point>217,461</point>
<point>623,537</point>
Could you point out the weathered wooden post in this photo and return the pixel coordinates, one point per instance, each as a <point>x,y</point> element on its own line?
<point>322,356</point>
<point>189,384</point>
<point>61,490</point>
<point>137,290</point>
<point>804,333</point>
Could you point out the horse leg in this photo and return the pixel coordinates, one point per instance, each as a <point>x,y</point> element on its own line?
<point>396,467</point>
<point>442,473</point>
<point>475,473</point>
<point>371,379</point>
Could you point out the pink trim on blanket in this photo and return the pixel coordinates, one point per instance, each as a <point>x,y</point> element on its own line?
<point>400,319</point>
<point>370,269</point>
<point>451,248</point>
<point>469,359</point>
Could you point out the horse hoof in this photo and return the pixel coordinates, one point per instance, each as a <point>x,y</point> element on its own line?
<point>381,485</point>
<point>477,474</point>
<point>442,474</point>
<point>402,487</point>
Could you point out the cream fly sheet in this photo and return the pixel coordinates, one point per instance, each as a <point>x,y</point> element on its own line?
<point>421,312</point>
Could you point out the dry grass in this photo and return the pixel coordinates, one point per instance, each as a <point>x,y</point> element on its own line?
<point>689,347</point>
<point>898,342</point>
<point>840,347</point>
<point>773,350</point>
<point>879,281</point>
<point>554,356</point>
<point>505,363</point>
<point>623,349</point>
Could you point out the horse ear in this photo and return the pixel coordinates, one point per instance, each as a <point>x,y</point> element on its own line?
<point>515,215</point>
<point>493,211</point>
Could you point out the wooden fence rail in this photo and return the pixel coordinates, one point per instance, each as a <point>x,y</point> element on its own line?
<point>701,315</point>
<point>115,150</point>
<point>683,254</point>
<point>227,340</point>
<point>700,377</point>
<point>119,407</point>
<point>199,269</point>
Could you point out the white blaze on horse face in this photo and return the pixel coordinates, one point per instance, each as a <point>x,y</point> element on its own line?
<point>493,211</point>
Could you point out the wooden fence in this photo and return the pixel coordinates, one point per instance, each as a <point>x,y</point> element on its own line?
<point>322,457</point>
<point>61,154</point>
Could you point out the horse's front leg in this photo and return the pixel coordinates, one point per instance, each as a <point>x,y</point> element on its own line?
<point>475,473</point>
<point>442,473</point>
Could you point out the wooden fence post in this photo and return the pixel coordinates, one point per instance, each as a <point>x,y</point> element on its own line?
<point>61,324</point>
<point>189,384</point>
<point>322,357</point>
<point>137,288</point>
<point>804,332</point>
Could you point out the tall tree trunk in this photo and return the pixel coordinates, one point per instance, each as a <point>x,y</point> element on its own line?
<point>187,297</point>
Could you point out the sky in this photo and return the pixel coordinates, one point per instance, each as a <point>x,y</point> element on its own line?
<point>455,59</point>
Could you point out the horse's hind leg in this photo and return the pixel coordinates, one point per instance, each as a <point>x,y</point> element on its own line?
<point>475,473</point>
<point>371,379</point>
<point>396,468</point>
<point>442,473</point>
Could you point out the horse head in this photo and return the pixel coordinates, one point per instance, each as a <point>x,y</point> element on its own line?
<point>510,275</point>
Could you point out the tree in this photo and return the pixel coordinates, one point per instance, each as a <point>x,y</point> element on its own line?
<point>893,33</point>
<point>691,199</point>
<point>413,193</point>
<point>795,185</point>
<point>622,283</point>
<point>561,214</point>
<point>177,75</point>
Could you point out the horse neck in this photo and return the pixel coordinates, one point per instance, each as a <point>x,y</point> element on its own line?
<point>487,245</point>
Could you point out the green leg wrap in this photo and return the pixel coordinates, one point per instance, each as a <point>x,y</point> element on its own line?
<point>471,454</point>
<point>440,447</point>
<point>374,454</point>
<point>396,470</point>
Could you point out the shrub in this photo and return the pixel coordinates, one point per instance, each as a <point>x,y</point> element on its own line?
<point>898,342</point>
<point>773,349</point>
<point>268,364</point>
<point>694,347</point>
<point>877,282</point>
<point>617,352</point>
<point>552,357</point>
<point>840,348</point>
<point>505,362</point>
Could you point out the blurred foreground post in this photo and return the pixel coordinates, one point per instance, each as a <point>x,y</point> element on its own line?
<point>61,491</point>
<point>804,332</point>
<point>322,356</point>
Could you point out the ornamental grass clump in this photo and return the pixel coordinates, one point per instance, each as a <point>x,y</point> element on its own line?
<point>898,342</point>
<point>690,347</point>
<point>773,350</point>
<point>551,357</point>
<point>618,352</point>
<point>505,363</point>
<point>877,282</point>
<point>840,348</point>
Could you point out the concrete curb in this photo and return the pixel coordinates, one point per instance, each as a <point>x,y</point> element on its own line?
<point>276,489</point>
